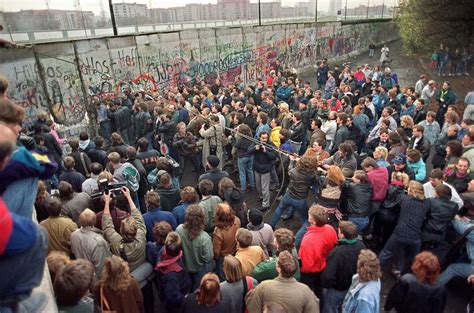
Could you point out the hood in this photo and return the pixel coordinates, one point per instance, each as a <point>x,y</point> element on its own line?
<point>83,144</point>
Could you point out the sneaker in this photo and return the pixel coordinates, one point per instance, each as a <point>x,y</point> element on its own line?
<point>287,216</point>
<point>279,198</point>
<point>264,208</point>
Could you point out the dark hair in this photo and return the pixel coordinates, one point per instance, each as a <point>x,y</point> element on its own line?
<point>11,112</point>
<point>348,229</point>
<point>83,136</point>
<point>436,174</point>
<point>317,122</point>
<point>99,141</point>
<point>205,187</point>
<point>96,168</point>
<point>455,148</point>
<point>131,152</point>
<point>72,282</point>
<point>65,190</point>
<point>142,144</point>
<point>287,264</point>
<point>443,191</point>
<point>54,208</point>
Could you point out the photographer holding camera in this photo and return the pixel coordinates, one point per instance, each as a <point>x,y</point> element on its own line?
<point>213,140</point>
<point>129,243</point>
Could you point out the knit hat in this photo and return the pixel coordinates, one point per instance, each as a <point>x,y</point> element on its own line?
<point>255,217</point>
<point>234,197</point>
<point>213,160</point>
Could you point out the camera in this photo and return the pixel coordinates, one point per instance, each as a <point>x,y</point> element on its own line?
<point>114,188</point>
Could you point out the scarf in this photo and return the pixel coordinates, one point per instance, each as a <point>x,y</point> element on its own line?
<point>253,227</point>
<point>83,144</point>
<point>169,264</point>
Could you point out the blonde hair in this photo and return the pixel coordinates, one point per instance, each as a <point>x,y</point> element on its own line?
<point>416,190</point>
<point>232,269</point>
<point>401,177</point>
<point>368,266</point>
<point>284,106</point>
<point>56,260</point>
<point>116,275</point>
<point>382,151</point>
<point>406,121</point>
<point>128,228</point>
<point>87,218</point>
<point>319,214</point>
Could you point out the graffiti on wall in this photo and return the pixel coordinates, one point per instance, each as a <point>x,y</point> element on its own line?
<point>170,60</point>
<point>25,87</point>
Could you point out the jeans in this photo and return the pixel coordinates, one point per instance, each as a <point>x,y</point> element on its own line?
<point>262,182</point>
<point>313,281</point>
<point>274,181</point>
<point>371,52</point>
<point>360,222</point>
<point>220,268</point>
<point>401,248</point>
<point>245,165</point>
<point>287,202</point>
<point>136,200</point>
<point>105,130</point>
<point>24,271</point>
<point>20,196</point>
<point>196,277</point>
<point>333,300</point>
<point>300,233</point>
<point>456,270</point>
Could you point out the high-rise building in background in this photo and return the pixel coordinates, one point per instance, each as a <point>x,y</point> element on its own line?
<point>334,6</point>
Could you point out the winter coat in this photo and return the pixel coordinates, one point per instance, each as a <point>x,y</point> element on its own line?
<point>341,265</point>
<point>299,182</point>
<point>59,233</point>
<point>213,136</point>
<point>438,218</point>
<point>135,249</point>
<point>292,295</point>
<point>419,168</point>
<point>408,295</point>
<point>315,248</point>
<point>73,208</point>
<point>358,197</point>
<point>197,252</point>
<point>342,134</point>
<point>89,243</point>
<point>297,132</point>
<point>215,175</point>
<point>223,240</point>
<point>263,160</point>
<point>173,285</point>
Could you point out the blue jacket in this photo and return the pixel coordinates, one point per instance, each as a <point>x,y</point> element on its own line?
<point>284,93</point>
<point>362,297</point>
<point>173,287</point>
<point>419,168</point>
<point>179,212</point>
<point>262,128</point>
<point>155,216</point>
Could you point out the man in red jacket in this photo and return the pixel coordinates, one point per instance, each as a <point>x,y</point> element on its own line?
<point>315,247</point>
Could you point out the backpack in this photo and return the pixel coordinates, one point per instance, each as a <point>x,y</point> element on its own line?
<point>247,282</point>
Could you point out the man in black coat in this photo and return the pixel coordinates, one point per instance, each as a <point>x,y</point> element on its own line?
<point>440,215</point>
<point>341,265</point>
<point>263,155</point>
<point>419,142</point>
<point>213,173</point>
<point>399,164</point>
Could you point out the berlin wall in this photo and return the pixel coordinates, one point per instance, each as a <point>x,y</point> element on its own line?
<point>68,78</point>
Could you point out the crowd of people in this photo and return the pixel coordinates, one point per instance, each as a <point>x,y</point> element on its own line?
<point>156,212</point>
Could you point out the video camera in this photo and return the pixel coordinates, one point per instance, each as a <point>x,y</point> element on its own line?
<point>174,166</point>
<point>114,188</point>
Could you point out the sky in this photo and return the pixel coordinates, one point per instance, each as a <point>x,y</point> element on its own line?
<point>94,5</point>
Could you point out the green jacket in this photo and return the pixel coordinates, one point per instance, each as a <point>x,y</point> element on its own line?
<point>448,96</point>
<point>135,250</point>
<point>197,252</point>
<point>267,269</point>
